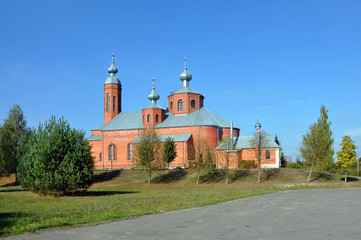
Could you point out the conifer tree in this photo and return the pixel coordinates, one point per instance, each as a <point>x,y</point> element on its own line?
<point>13,135</point>
<point>169,151</point>
<point>57,160</point>
<point>317,144</point>
<point>347,156</point>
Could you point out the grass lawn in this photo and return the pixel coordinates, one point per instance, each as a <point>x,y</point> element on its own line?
<point>125,194</point>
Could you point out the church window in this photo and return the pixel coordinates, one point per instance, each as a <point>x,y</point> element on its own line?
<point>100,157</point>
<point>171,105</point>
<point>268,155</point>
<point>112,152</point>
<point>156,118</point>
<point>193,104</point>
<point>114,101</point>
<point>129,152</point>
<point>201,103</point>
<point>108,102</point>
<point>180,105</point>
<point>148,118</point>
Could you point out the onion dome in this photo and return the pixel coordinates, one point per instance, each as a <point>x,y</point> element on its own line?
<point>257,126</point>
<point>112,70</point>
<point>185,76</point>
<point>153,96</point>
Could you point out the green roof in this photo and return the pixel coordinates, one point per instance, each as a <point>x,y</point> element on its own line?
<point>95,138</point>
<point>133,120</point>
<point>244,142</point>
<point>201,117</point>
<point>186,89</point>
<point>175,137</point>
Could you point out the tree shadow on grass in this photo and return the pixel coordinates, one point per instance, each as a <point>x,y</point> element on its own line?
<point>106,176</point>
<point>350,179</point>
<point>321,177</point>
<point>269,172</point>
<point>239,174</point>
<point>101,193</point>
<point>14,190</point>
<point>171,176</point>
<point>213,176</point>
<point>7,220</point>
<point>12,184</point>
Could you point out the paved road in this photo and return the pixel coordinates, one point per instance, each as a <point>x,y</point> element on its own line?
<point>301,214</point>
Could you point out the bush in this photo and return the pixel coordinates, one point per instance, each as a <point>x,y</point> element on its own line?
<point>57,160</point>
<point>294,165</point>
<point>247,164</point>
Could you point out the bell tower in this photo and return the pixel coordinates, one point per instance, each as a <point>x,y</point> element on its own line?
<point>112,94</point>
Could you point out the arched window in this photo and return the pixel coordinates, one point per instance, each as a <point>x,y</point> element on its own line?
<point>148,118</point>
<point>156,118</point>
<point>100,157</point>
<point>112,152</point>
<point>180,105</point>
<point>268,155</point>
<point>193,104</point>
<point>129,157</point>
<point>114,103</point>
<point>108,102</point>
<point>171,105</point>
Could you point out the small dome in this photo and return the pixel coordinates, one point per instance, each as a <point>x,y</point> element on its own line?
<point>185,75</point>
<point>153,96</point>
<point>258,125</point>
<point>112,70</point>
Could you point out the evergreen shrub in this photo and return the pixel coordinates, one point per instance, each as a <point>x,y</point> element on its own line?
<point>57,160</point>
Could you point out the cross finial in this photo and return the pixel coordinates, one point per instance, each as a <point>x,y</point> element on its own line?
<point>153,81</point>
<point>113,57</point>
<point>257,117</point>
<point>185,63</point>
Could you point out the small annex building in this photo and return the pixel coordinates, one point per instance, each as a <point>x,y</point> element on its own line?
<point>185,119</point>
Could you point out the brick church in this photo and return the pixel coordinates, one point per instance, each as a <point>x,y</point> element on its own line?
<point>185,119</point>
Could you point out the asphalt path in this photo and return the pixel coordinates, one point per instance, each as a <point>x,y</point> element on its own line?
<point>301,214</point>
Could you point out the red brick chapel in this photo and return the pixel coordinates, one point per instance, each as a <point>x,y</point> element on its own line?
<point>185,119</point>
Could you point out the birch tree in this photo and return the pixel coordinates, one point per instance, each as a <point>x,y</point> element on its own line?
<point>317,144</point>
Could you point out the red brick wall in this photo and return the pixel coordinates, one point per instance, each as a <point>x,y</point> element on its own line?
<point>187,99</point>
<point>114,90</point>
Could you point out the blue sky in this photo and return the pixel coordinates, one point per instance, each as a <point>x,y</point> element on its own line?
<point>283,59</point>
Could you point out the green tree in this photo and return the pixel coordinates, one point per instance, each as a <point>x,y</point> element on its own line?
<point>201,165</point>
<point>282,156</point>
<point>317,144</point>
<point>228,155</point>
<point>347,155</point>
<point>169,152</point>
<point>57,160</point>
<point>259,141</point>
<point>13,135</point>
<point>147,152</point>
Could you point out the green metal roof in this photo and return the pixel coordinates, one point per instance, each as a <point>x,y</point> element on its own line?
<point>201,117</point>
<point>154,105</point>
<point>175,137</point>
<point>186,89</point>
<point>243,142</point>
<point>95,138</point>
<point>133,120</point>
<point>125,121</point>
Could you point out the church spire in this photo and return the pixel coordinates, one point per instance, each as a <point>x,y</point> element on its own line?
<point>185,76</point>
